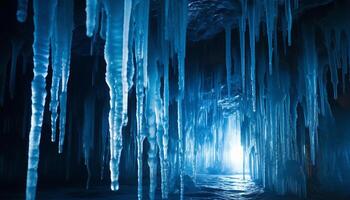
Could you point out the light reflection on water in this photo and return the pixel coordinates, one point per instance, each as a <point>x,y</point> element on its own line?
<point>223,187</point>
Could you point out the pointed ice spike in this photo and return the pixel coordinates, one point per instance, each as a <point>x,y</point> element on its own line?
<point>270,12</point>
<point>22,7</point>
<point>43,21</point>
<point>126,25</point>
<point>252,33</point>
<point>242,30</point>
<point>289,19</point>
<point>141,16</point>
<point>65,11</point>
<point>16,48</point>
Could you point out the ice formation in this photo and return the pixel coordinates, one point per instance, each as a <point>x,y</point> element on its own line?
<point>275,114</point>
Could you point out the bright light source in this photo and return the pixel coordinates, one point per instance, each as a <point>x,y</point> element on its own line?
<point>233,151</point>
<point>236,157</point>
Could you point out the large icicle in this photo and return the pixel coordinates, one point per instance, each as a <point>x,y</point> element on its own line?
<point>164,45</point>
<point>126,25</point>
<point>141,15</point>
<point>114,78</point>
<point>179,9</point>
<point>43,19</point>
<point>165,119</point>
<point>151,123</point>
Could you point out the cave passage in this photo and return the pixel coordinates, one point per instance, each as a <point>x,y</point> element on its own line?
<point>174,99</point>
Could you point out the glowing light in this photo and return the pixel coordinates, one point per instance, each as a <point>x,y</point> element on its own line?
<point>235,159</point>
<point>233,151</point>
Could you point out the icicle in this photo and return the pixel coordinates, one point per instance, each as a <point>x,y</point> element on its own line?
<point>141,14</point>
<point>242,30</point>
<point>22,6</point>
<point>252,33</point>
<point>66,7</point>
<point>91,15</point>
<point>271,13</point>
<point>103,23</point>
<point>88,133</point>
<point>16,47</point>
<point>151,122</point>
<point>228,59</point>
<point>289,19</point>
<point>43,20</point>
<point>165,123</point>
<point>114,79</point>
<point>180,17</point>
<point>126,25</point>
<point>310,78</point>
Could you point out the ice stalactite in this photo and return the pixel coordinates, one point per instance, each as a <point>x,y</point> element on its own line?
<point>114,78</point>
<point>22,7</point>
<point>164,115</point>
<point>88,134</point>
<point>66,7</point>
<point>152,99</point>
<point>91,16</point>
<point>141,24</point>
<point>126,25</point>
<point>16,48</point>
<point>179,11</point>
<point>228,59</point>
<point>271,9</point>
<point>310,74</point>
<point>242,30</point>
<point>103,23</point>
<point>43,21</point>
<point>61,48</point>
<point>165,121</point>
<point>289,19</point>
<point>252,22</point>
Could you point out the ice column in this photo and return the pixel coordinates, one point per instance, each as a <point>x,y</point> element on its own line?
<point>43,21</point>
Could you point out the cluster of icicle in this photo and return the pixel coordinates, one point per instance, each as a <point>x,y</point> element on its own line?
<point>279,150</point>
<point>280,143</point>
<point>125,27</point>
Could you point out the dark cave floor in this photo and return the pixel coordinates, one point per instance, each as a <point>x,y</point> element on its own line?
<point>218,187</point>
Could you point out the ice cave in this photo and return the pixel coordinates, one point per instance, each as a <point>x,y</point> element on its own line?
<point>175,99</point>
